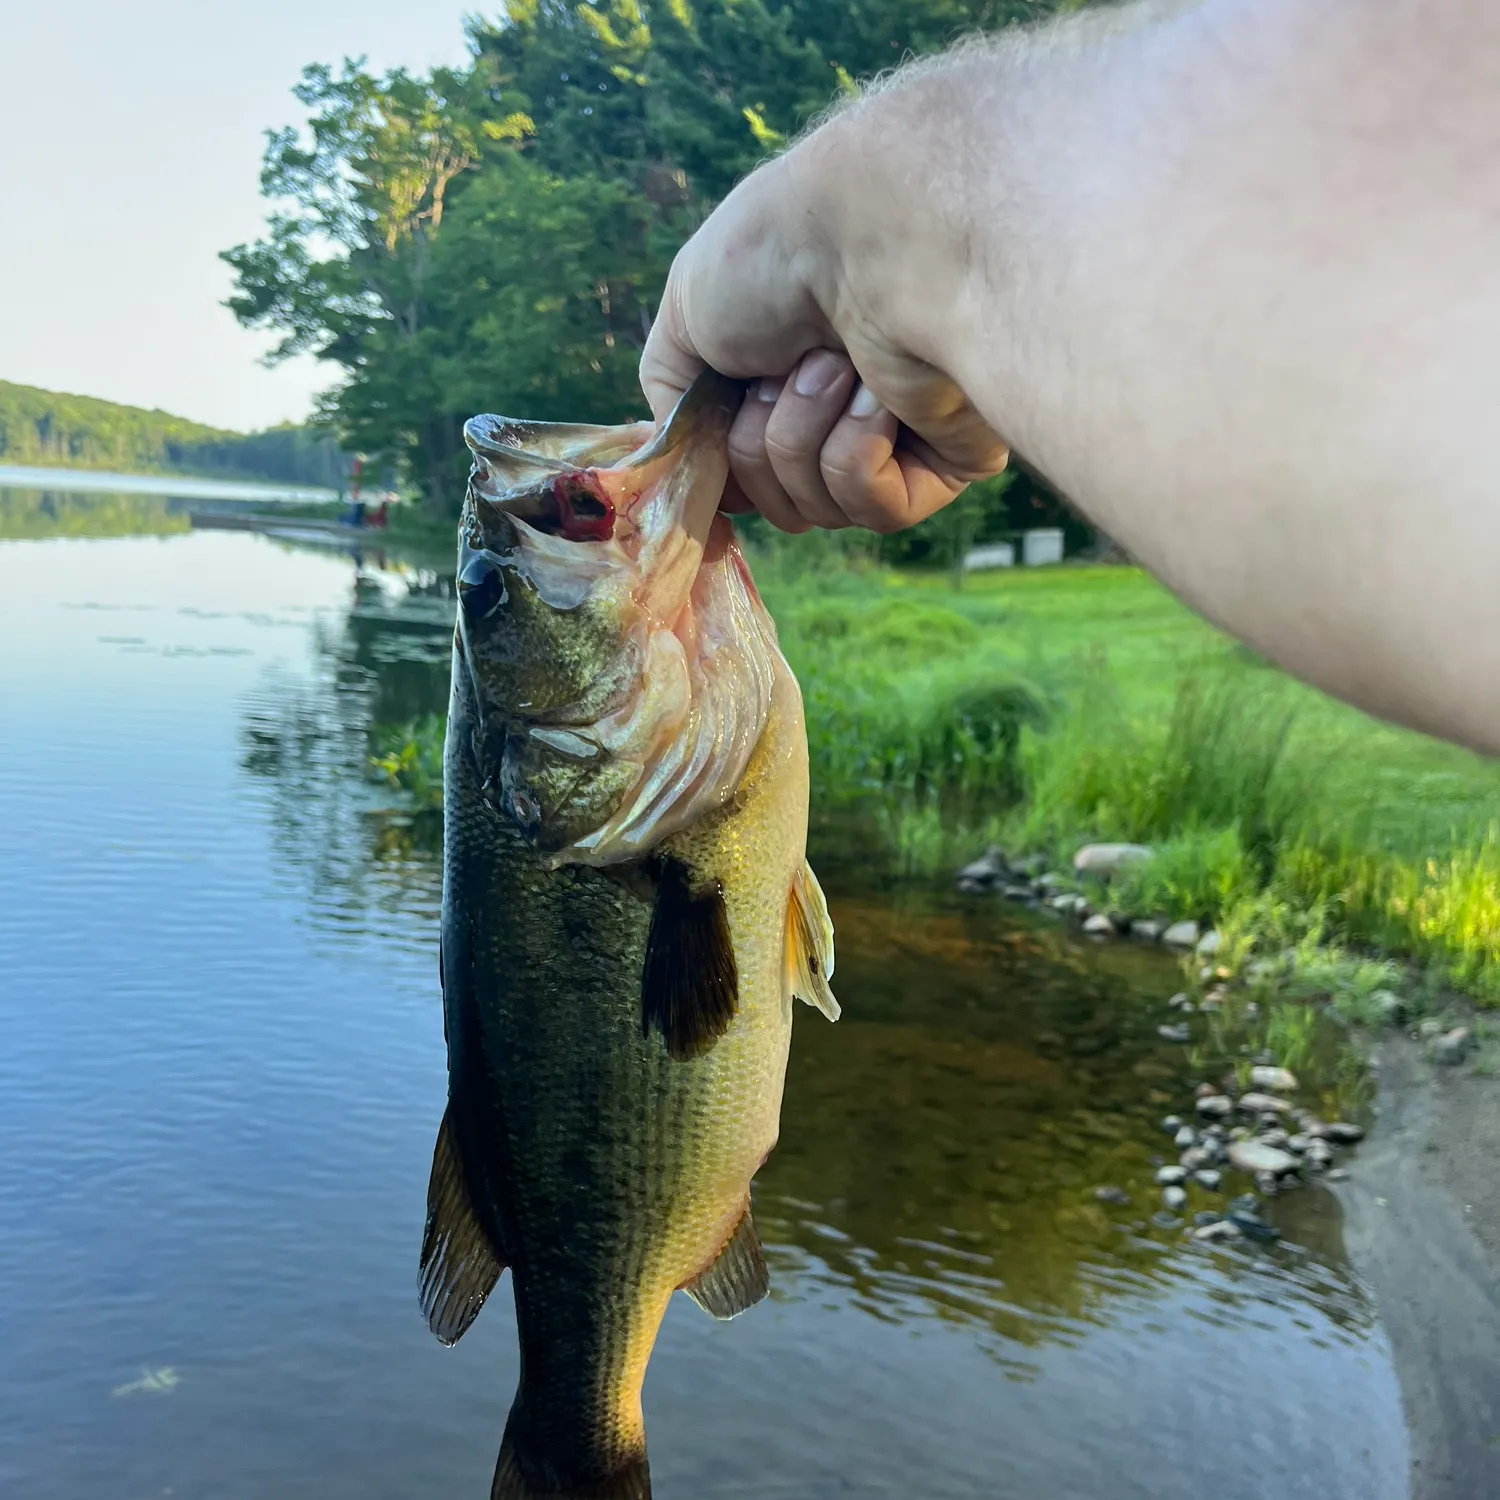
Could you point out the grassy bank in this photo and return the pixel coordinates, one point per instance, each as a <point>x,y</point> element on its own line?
<point>1042,708</point>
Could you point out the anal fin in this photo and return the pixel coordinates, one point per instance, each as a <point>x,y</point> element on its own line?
<point>459,1266</point>
<point>689,981</point>
<point>809,943</point>
<point>738,1279</point>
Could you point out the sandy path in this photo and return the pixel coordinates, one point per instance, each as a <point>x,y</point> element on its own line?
<point>1422,1224</point>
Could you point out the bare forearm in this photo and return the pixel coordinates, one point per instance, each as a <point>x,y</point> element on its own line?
<point>1232,280</point>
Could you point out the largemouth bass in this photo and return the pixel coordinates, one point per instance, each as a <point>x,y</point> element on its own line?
<point>627,917</point>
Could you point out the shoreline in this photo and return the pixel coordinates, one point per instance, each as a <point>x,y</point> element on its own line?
<point>1421,1209</point>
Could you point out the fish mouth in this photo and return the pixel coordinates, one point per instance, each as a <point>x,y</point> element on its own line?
<point>581,483</point>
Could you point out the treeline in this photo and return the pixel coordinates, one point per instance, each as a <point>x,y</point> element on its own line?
<point>494,237</point>
<point>53,430</point>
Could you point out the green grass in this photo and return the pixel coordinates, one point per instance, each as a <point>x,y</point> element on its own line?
<point>1044,707</point>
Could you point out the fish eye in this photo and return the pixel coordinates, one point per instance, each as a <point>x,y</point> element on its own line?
<point>481,588</point>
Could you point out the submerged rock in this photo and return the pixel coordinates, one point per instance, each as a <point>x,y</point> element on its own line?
<point>1107,859</point>
<point>1181,934</point>
<point>1173,1198</point>
<point>1250,1224</point>
<point>1210,1178</point>
<point>1112,1195</point>
<point>1277,1080</point>
<point>1185,1137</point>
<point>1255,1157</point>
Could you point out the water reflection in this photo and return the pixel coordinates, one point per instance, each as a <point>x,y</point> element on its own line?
<point>223,1069</point>
<point>941,1145</point>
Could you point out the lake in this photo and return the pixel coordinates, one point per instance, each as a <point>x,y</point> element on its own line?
<point>222,1070</point>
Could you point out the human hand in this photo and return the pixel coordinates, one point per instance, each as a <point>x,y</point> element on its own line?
<point>849,422</point>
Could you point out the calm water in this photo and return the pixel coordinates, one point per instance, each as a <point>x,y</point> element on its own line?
<point>221,1068</point>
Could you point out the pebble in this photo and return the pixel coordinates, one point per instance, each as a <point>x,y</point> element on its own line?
<point>1099,925</point>
<point>1173,1198</point>
<point>985,870</point>
<point>1180,935</point>
<point>1343,1132</point>
<point>1179,1001</point>
<point>1220,1232</point>
<point>1177,1033</point>
<point>1268,1184</point>
<point>1450,1049</point>
<point>1255,1158</point>
<point>1069,901</point>
<point>1298,1143</point>
<point>1206,1216</point>
<point>1018,893</point>
<point>1267,1104</point>
<point>1251,1224</point>
<point>1172,1124</point>
<point>1339,1174</point>
<point>1171,1177</point>
<point>1185,1137</point>
<point>1106,859</point>
<point>1195,1157</point>
<point>1216,1106</point>
<point>1210,1178</point>
<point>1246,1203</point>
<point>1274,1137</point>
<point>1278,1080</point>
<point>1146,928</point>
<point>1111,1194</point>
<point>1164,1220</point>
<point>1208,944</point>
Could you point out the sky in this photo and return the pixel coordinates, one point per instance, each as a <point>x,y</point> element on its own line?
<point>130,144</point>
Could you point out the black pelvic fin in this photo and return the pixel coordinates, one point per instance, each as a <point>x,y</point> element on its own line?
<point>738,1279</point>
<point>689,982</point>
<point>459,1265</point>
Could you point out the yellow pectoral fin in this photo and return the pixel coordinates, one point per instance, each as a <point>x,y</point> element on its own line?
<point>809,944</point>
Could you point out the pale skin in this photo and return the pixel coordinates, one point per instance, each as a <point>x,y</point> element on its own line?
<point>1228,273</point>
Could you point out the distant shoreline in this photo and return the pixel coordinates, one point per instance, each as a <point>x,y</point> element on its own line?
<point>176,486</point>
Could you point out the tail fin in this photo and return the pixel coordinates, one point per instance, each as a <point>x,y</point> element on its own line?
<point>517,1480</point>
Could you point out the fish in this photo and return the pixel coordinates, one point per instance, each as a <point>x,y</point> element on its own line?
<point>628,916</point>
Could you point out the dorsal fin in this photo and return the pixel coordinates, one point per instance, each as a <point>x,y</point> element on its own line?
<point>459,1265</point>
<point>809,943</point>
<point>737,1279</point>
<point>689,981</point>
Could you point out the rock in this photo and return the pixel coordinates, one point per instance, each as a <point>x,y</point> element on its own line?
<point>1070,903</point>
<point>1250,1224</point>
<point>1178,1033</point>
<point>1274,1137</point>
<point>1239,1133</point>
<point>1298,1143</point>
<point>1221,1232</point>
<point>1164,1220</point>
<point>1029,867</point>
<point>1268,1184</point>
<point>1147,929</point>
<point>1018,893</point>
<point>1216,1106</point>
<point>986,870</point>
<point>1246,1203</point>
<point>1430,1030</point>
<point>1278,1080</point>
<point>1050,881</point>
<point>1208,944</point>
<point>1195,1157</point>
<point>1206,1216</point>
<point>1450,1049</point>
<point>1113,1195</point>
<point>1170,1177</point>
<point>972,887</point>
<point>1389,1007</point>
<point>1173,1198</point>
<point>1180,934</point>
<point>1318,1154</point>
<point>1185,1137</point>
<point>1210,1178</point>
<point>1339,1174</point>
<point>1254,1158</point>
<point>1343,1132</point>
<point>1099,925</point>
<point>1172,1124</point>
<point>1179,1001</point>
<point>1263,1104</point>
<point>1106,859</point>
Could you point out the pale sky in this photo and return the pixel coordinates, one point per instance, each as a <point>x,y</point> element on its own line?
<point>130,146</point>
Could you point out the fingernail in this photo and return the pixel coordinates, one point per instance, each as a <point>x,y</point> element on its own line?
<point>770,388</point>
<point>865,403</point>
<point>818,372</point>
